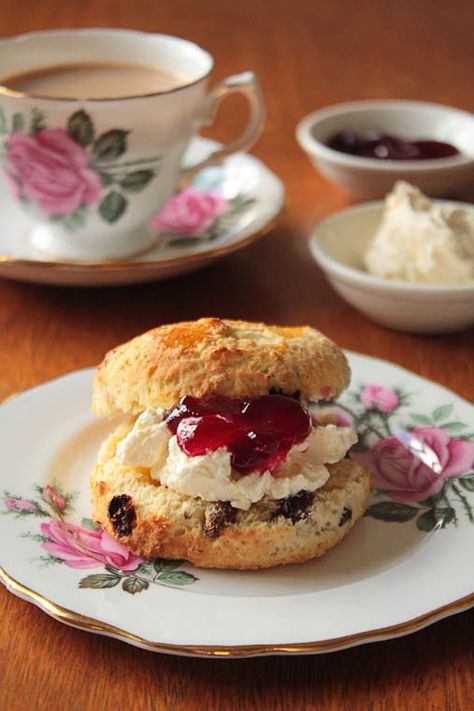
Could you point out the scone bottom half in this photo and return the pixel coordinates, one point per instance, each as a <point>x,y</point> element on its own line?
<point>233,359</point>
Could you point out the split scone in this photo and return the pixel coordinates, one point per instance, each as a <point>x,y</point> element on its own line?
<point>221,463</point>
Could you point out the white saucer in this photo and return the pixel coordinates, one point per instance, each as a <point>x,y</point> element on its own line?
<point>245,181</point>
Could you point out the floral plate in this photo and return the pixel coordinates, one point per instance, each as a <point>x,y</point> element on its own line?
<point>406,564</point>
<point>225,208</point>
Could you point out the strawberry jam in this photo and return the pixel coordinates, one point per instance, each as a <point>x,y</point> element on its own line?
<point>258,433</point>
<point>376,144</point>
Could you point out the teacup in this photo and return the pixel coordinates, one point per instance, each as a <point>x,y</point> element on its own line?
<point>90,170</point>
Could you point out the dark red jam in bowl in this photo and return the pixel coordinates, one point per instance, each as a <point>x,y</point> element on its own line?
<point>258,433</point>
<point>383,146</point>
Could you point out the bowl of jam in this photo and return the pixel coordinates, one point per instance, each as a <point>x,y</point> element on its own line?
<point>364,147</point>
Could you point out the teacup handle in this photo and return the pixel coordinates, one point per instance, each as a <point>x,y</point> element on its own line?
<point>245,83</point>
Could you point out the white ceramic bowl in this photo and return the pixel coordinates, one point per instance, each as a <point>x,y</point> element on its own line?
<point>338,244</point>
<point>368,178</point>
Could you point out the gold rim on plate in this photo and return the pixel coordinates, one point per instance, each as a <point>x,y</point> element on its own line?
<point>83,622</point>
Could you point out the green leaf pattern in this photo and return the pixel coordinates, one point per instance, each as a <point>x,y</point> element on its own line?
<point>392,511</point>
<point>442,412</point>
<point>134,585</point>
<point>435,518</point>
<point>178,577</point>
<point>166,566</point>
<point>99,581</point>
<point>467,482</point>
<point>137,180</point>
<point>112,206</point>
<point>81,128</point>
<point>18,122</point>
<point>110,146</point>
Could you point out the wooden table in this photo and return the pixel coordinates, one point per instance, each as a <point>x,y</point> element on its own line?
<point>307,53</point>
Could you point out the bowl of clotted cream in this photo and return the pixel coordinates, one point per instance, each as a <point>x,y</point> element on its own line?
<point>406,262</point>
<point>364,147</point>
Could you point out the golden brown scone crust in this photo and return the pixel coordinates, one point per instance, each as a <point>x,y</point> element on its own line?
<point>231,358</point>
<point>170,525</point>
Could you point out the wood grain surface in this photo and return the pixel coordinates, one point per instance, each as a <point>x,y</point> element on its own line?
<point>307,54</point>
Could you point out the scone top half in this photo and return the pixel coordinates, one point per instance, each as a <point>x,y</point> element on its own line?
<point>234,359</point>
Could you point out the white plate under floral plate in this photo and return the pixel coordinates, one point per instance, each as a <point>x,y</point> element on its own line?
<point>406,564</point>
<point>254,196</point>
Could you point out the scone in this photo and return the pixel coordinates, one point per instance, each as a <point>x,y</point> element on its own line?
<point>220,462</point>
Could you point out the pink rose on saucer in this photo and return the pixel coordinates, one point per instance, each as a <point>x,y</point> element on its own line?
<point>52,170</point>
<point>379,397</point>
<point>190,212</point>
<point>81,547</point>
<point>396,469</point>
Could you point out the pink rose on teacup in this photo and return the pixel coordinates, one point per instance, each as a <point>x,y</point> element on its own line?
<point>81,547</point>
<point>397,469</point>
<point>52,170</point>
<point>379,397</point>
<point>190,212</point>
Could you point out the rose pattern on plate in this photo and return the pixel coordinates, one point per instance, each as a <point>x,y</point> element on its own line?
<point>69,170</point>
<point>84,547</point>
<point>422,465</point>
<point>379,397</point>
<point>398,465</point>
<point>87,546</point>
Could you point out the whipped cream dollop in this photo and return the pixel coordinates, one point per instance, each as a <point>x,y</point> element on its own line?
<point>421,241</point>
<point>151,444</point>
